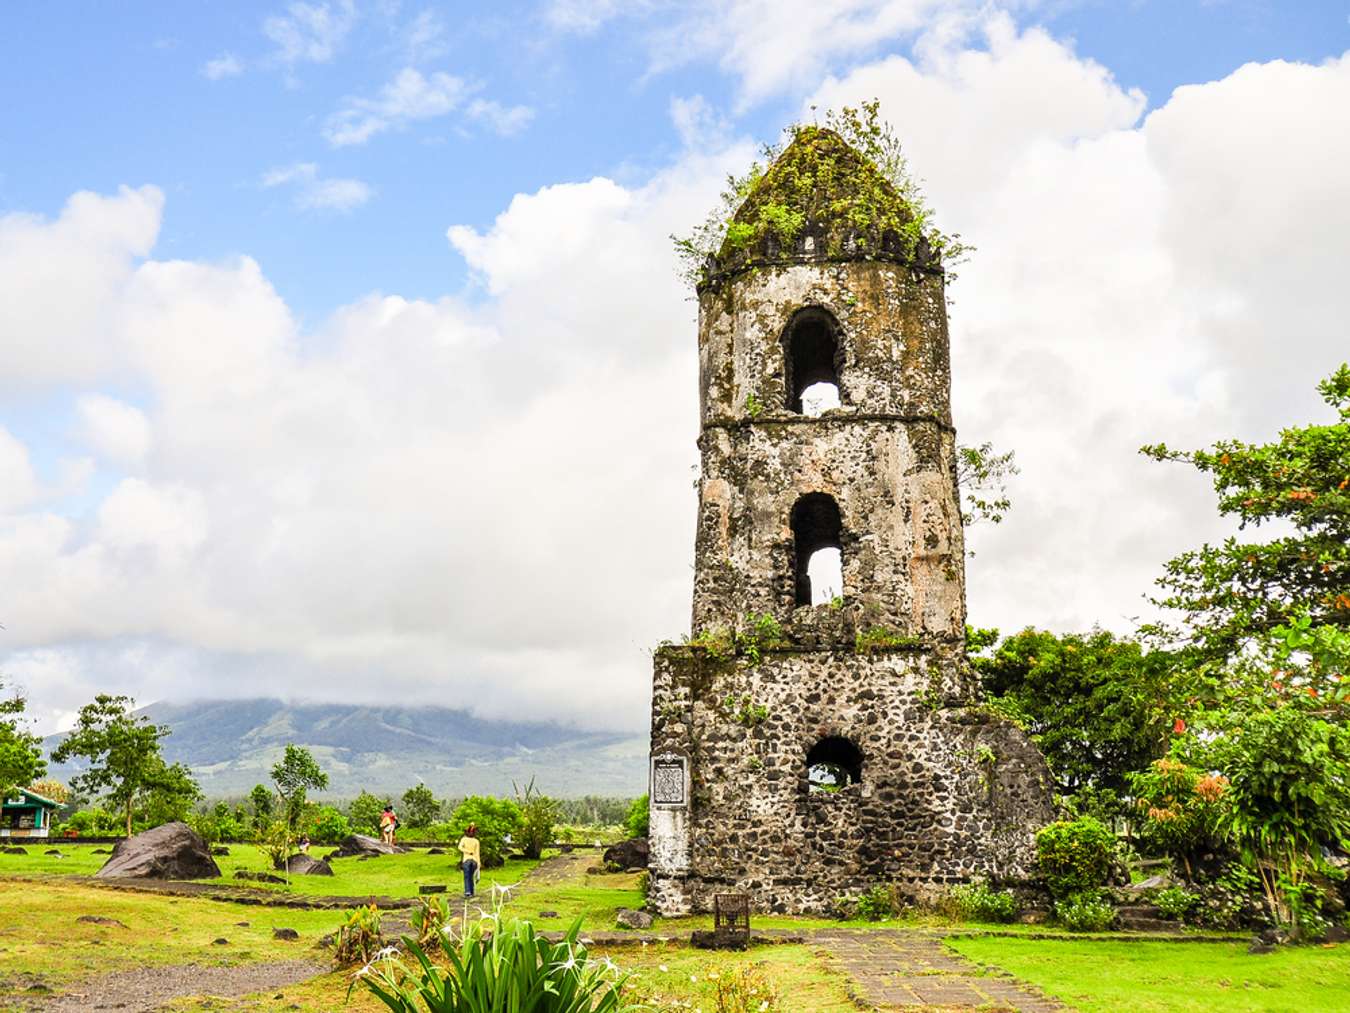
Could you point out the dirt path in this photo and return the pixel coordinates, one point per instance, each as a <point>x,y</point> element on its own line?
<point>896,969</point>
<point>150,988</point>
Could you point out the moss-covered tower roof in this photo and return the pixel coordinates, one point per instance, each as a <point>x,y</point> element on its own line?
<point>822,199</point>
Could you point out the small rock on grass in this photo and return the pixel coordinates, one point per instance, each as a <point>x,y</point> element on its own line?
<point>548,914</point>
<point>222,941</point>
<point>631,919</point>
<point>285,934</point>
<point>99,920</point>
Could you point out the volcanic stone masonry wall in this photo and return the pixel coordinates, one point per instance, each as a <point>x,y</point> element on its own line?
<point>930,788</point>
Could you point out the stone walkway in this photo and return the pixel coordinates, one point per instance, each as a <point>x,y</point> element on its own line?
<point>896,969</point>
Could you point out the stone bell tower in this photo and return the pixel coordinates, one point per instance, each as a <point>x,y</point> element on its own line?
<point>810,742</point>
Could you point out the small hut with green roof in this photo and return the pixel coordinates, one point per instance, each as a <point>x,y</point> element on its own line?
<point>26,814</point>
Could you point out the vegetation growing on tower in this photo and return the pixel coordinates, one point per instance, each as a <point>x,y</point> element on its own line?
<point>846,184</point>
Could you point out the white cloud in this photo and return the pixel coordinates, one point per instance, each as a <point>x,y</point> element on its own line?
<point>18,483</point>
<point>315,192</point>
<point>504,120</point>
<point>224,65</point>
<point>410,96</point>
<point>116,430</point>
<point>424,37</point>
<point>310,32</point>
<point>57,280</point>
<point>769,46</point>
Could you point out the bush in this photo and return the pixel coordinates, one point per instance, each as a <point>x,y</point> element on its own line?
<point>498,966</point>
<point>978,902</point>
<point>364,813</point>
<point>748,990</point>
<point>358,938</point>
<point>1174,902</point>
<point>876,904</point>
<point>538,813</point>
<point>1075,855</point>
<point>638,820</point>
<point>1085,911</point>
<point>95,823</point>
<point>328,825</point>
<point>429,918</point>
<point>494,817</point>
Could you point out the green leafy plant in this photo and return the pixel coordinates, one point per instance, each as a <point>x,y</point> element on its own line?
<point>21,761</point>
<point>420,807</point>
<point>982,474</point>
<point>876,904</point>
<point>1175,902</point>
<point>717,643</point>
<point>851,172</point>
<point>882,638</point>
<point>744,710</point>
<point>328,825</point>
<point>495,818</point>
<point>745,990</point>
<point>430,918</point>
<point>1180,809</point>
<point>497,966</point>
<point>294,775</point>
<point>538,815</point>
<point>1085,911</point>
<point>753,406</point>
<point>759,633</point>
<point>358,937</point>
<point>637,821</point>
<point>1075,855</point>
<point>977,901</point>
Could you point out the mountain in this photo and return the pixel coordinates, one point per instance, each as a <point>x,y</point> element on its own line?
<point>231,744</point>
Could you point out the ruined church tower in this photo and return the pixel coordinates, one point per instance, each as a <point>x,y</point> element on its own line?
<point>819,733</point>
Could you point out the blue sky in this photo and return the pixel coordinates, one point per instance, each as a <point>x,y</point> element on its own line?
<point>342,353</point>
<point>114,95</point>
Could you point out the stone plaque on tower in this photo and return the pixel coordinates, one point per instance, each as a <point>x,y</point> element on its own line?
<point>822,714</point>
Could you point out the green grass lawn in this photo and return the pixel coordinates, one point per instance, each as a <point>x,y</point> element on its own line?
<point>1101,976</point>
<point>388,875</point>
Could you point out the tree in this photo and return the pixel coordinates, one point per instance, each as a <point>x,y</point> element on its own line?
<point>52,789</point>
<point>293,775</point>
<point>1232,594</point>
<point>169,794</point>
<point>122,750</point>
<point>637,822</point>
<point>21,760</point>
<point>982,475</point>
<point>420,808</point>
<point>495,818</point>
<point>538,814</point>
<point>1098,707</point>
<point>364,813</point>
<point>260,800</point>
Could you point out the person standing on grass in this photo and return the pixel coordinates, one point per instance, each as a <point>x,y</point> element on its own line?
<point>388,822</point>
<point>472,859</point>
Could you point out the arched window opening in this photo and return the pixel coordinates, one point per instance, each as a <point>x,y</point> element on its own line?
<point>833,763</point>
<point>825,571</point>
<point>815,526</point>
<point>812,358</point>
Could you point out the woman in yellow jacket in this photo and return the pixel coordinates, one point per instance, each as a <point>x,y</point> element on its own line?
<point>470,851</point>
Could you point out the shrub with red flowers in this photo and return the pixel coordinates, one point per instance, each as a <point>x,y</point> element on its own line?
<point>1180,810</point>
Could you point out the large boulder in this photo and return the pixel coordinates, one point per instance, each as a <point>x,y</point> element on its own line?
<point>304,865</point>
<point>627,854</point>
<point>171,851</point>
<point>357,845</point>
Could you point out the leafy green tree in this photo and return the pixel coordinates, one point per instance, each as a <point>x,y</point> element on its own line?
<point>637,822</point>
<point>1099,707</point>
<point>328,825</point>
<point>496,818</point>
<point>1180,809</point>
<point>420,808</point>
<point>538,814</point>
<point>168,795</point>
<point>21,761</point>
<point>1232,594</point>
<point>364,813</point>
<point>982,474</point>
<point>261,802</point>
<point>293,775</point>
<point>122,750</point>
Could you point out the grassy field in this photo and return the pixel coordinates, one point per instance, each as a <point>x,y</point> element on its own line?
<point>388,875</point>
<point>1105,976</point>
<point>41,940</point>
